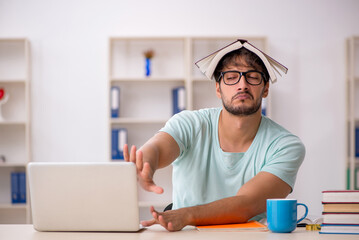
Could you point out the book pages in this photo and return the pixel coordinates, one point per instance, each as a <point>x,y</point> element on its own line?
<point>208,64</point>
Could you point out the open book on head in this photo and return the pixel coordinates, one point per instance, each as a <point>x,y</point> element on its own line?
<point>207,65</point>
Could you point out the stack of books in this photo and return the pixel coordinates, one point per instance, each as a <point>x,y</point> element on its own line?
<point>340,212</point>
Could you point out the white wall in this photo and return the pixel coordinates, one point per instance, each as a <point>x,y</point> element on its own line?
<point>69,63</point>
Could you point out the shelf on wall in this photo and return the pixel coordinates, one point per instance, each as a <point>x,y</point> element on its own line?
<point>8,81</point>
<point>147,79</point>
<point>13,206</point>
<point>15,140</point>
<point>10,122</point>
<point>137,121</point>
<point>11,165</point>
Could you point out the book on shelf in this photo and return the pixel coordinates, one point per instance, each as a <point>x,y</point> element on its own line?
<point>115,102</point>
<point>339,229</point>
<point>178,99</point>
<point>237,227</point>
<point>340,196</point>
<point>118,139</point>
<point>208,64</point>
<point>18,187</point>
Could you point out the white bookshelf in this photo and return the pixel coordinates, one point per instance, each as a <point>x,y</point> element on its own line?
<point>352,111</point>
<point>146,102</point>
<point>15,128</point>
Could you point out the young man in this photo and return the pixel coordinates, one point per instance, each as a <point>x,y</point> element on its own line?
<point>226,161</point>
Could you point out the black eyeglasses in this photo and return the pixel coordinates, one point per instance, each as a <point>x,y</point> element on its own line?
<point>233,77</point>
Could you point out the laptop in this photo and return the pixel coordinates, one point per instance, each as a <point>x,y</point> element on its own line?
<point>84,196</point>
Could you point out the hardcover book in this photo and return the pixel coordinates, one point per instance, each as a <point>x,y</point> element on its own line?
<point>339,229</point>
<point>208,64</point>
<point>341,196</point>
<point>341,218</point>
<point>341,207</point>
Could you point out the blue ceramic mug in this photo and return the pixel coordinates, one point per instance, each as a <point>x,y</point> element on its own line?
<point>282,214</point>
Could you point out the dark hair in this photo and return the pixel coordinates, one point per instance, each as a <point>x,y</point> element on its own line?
<point>249,57</point>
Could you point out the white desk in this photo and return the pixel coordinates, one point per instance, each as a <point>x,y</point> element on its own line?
<point>27,232</point>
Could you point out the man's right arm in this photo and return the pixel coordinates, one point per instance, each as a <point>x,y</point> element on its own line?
<point>158,152</point>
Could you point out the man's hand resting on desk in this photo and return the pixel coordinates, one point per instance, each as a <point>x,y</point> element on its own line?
<point>144,171</point>
<point>172,220</point>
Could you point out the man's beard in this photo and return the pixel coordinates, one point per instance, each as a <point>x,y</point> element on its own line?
<point>242,110</point>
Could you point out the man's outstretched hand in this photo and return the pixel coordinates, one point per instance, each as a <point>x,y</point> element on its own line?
<point>144,171</point>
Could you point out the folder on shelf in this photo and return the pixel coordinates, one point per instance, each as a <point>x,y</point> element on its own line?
<point>22,187</point>
<point>15,195</point>
<point>178,99</point>
<point>115,102</point>
<point>264,106</point>
<point>18,187</point>
<point>118,138</point>
<point>357,142</point>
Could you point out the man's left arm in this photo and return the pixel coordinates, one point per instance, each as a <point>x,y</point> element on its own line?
<point>249,201</point>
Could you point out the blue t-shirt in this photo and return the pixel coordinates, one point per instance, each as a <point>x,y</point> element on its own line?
<point>204,173</point>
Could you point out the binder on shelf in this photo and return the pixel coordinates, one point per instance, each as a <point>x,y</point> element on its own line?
<point>118,139</point>
<point>22,187</point>
<point>115,102</point>
<point>178,99</point>
<point>357,142</point>
<point>264,106</point>
<point>18,187</point>
<point>356,178</point>
<point>15,195</point>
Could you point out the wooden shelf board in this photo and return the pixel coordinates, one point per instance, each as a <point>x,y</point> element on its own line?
<point>137,121</point>
<point>149,79</point>
<point>10,81</point>
<point>6,122</point>
<point>7,164</point>
<point>141,38</point>
<point>13,206</point>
